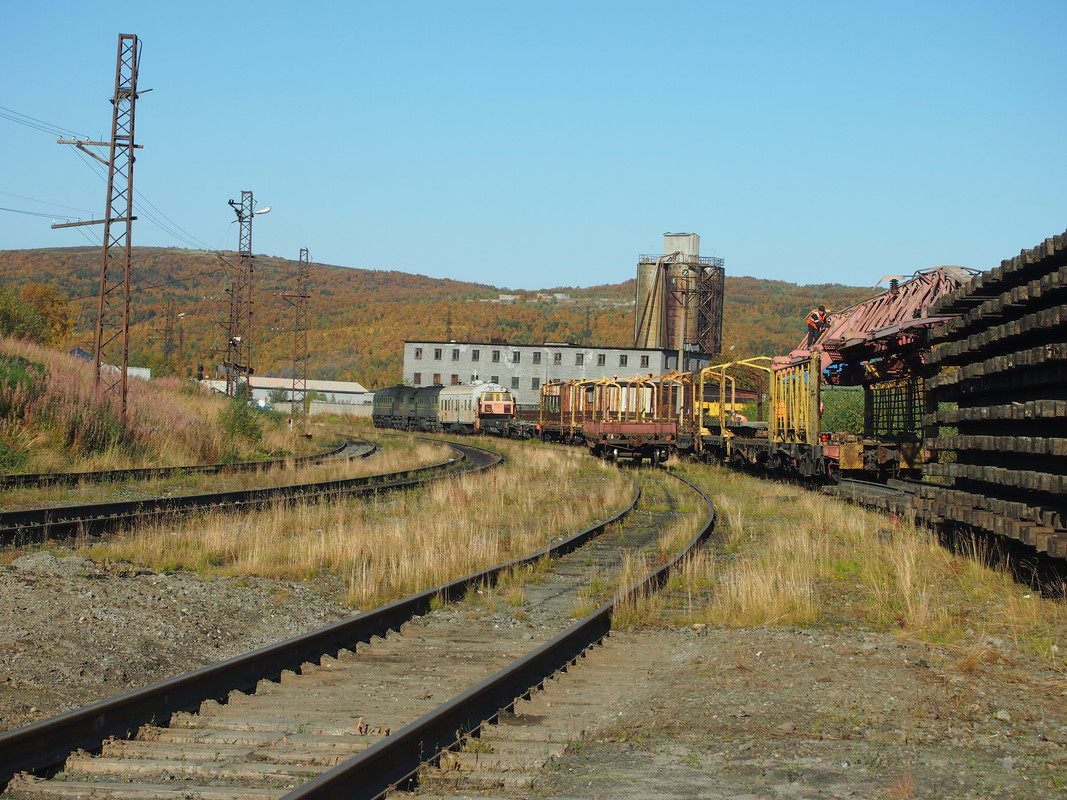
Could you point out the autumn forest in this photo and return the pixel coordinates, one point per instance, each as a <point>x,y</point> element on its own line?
<point>360,318</point>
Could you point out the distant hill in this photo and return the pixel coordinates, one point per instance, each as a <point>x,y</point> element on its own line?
<point>360,318</point>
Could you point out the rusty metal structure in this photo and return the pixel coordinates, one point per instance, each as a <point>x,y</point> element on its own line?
<point>882,345</point>
<point>679,298</point>
<point>111,342</point>
<point>301,323</point>
<point>239,329</point>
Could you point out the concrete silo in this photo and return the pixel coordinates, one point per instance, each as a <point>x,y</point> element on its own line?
<point>679,297</point>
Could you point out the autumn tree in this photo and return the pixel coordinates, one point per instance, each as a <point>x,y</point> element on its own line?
<point>56,318</point>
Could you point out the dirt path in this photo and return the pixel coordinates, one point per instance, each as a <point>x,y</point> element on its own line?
<point>763,713</point>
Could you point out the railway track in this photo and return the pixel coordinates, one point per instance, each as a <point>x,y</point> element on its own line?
<point>357,707</point>
<point>353,448</point>
<point>27,526</point>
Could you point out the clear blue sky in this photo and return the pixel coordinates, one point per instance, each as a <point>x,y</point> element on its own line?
<point>540,144</point>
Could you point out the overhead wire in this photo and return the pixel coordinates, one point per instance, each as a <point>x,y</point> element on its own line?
<point>37,124</point>
<point>140,201</point>
<point>29,213</point>
<point>158,218</point>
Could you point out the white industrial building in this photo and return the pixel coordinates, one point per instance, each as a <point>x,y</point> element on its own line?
<point>524,368</point>
<point>339,397</point>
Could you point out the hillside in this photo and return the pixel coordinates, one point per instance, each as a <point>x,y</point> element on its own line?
<point>360,318</point>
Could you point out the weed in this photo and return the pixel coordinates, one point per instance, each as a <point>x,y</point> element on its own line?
<point>475,744</point>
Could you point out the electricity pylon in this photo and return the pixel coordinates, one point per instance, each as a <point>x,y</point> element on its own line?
<point>111,343</point>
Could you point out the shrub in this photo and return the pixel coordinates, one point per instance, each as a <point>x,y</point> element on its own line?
<point>21,381</point>
<point>240,420</point>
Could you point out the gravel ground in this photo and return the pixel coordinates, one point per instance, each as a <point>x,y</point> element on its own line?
<point>77,631</point>
<point>767,713</point>
<point>732,714</point>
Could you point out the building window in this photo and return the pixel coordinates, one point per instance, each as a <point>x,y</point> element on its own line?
<point>437,379</point>
<point>417,377</point>
<point>475,355</point>
<point>644,362</point>
<point>455,380</point>
<point>537,358</point>
<point>474,378</point>
<point>535,383</point>
<point>622,361</point>
<point>455,354</point>
<point>515,356</point>
<point>601,359</point>
<point>418,352</point>
<point>496,356</point>
<point>437,354</point>
<point>494,379</point>
<point>557,358</point>
<point>579,359</point>
<point>514,383</point>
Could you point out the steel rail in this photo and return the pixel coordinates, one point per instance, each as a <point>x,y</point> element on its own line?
<point>398,757</point>
<point>24,526</point>
<point>13,481</point>
<point>47,743</point>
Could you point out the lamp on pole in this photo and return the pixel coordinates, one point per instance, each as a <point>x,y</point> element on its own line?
<point>239,346</point>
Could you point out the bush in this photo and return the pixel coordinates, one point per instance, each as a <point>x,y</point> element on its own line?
<point>240,420</point>
<point>11,458</point>
<point>20,320</point>
<point>21,381</point>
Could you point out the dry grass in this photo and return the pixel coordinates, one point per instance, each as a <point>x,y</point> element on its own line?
<point>395,545</point>
<point>903,787</point>
<point>646,609</point>
<point>58,421</point>
<point>395,454</point>
<point>793,557</point>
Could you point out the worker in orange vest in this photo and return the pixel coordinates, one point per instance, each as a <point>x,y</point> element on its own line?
<point>816,325</point>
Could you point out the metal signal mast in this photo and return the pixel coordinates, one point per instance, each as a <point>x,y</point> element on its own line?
<point>113,315</point>
<point>299,301</point>
<point>239,347</point>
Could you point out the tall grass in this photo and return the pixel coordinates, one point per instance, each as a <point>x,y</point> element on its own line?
<point>395,455</point>
<point>395,545</point>
<point>56,419</point>
<point>787,556</point>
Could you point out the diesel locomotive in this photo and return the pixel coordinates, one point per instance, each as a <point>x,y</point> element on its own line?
<point>479,407</point>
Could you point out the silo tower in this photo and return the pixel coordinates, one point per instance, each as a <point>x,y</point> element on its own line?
<point>679,297</point>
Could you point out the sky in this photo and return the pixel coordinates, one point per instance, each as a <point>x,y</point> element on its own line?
<point>544,144</point>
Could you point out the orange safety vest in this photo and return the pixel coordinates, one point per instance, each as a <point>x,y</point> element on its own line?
<point>816,319</point>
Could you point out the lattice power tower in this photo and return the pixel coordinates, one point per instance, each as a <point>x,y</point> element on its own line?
<point>111,344</point>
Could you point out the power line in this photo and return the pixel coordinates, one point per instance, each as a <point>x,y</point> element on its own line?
<point>28,213</point>
<point>32,122</point>
<point>43,202</point>
<point>159,219</point>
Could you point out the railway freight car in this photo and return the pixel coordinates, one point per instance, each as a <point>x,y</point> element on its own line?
<point>786,438</point>
<point>880,344</point>
<point>616,419</point>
